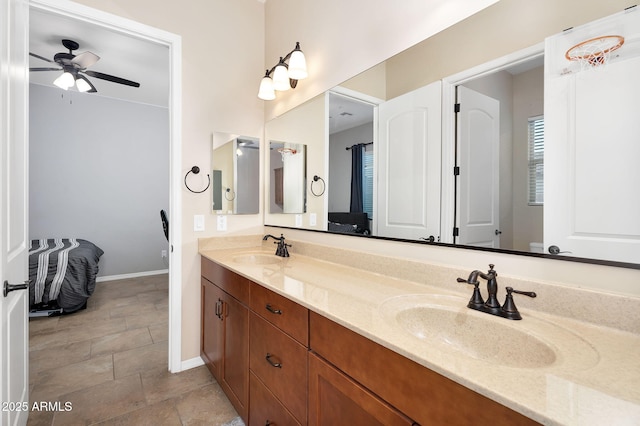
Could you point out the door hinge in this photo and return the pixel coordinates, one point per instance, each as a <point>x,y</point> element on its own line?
<point>456,170</point>
<point>456,108</point>
<point>456,231</point>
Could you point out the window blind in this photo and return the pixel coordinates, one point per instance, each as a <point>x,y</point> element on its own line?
<point>367,182</point>
<point>536,160</point>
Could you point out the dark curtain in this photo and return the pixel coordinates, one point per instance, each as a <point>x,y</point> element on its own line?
<point>356,178</point>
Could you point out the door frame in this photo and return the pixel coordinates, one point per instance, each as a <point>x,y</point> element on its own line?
<point>365,99</point>
<point>449,84</point>
<point>174,44</point>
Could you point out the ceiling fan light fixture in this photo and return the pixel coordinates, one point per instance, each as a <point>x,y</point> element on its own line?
<point>65,81</point>
<point>82,85</point>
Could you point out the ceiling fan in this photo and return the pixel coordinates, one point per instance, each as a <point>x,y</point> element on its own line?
<point>74,68</point>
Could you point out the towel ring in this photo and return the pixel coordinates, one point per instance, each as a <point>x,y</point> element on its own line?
<point>230,191</point>
<point>195,170</point>
<point>324,185</point>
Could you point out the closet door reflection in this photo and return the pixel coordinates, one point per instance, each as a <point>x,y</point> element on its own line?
<point>288,170</point>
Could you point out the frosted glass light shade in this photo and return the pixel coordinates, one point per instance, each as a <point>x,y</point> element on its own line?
<point>82,85</point>
<point>297,65</point>
<point>65,81</point>
<point>281,77</point>
<point>266,91</point>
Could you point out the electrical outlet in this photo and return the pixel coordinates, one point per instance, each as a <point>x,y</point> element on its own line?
<point>298,220</point>
<point>313,219</point>
<point>163,254</point>
<point>222,222</point>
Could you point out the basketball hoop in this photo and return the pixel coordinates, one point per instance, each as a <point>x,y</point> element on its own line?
<point>594,52</point>
<point>286,151</point>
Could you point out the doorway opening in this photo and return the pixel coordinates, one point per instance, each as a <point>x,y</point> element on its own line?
<point>515,84</point>
<point>117,26</point>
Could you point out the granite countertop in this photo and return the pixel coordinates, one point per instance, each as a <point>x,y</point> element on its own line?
<point>553,369</point>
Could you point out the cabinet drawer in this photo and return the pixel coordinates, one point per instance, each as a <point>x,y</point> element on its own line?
<point>234,284</point>
<point>285,314</point>
<point>265,408</point>
<point>422,394</point>
<point>281,364</point>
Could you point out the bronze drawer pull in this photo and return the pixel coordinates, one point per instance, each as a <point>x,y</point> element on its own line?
<point>273,364</point>
<point>272,310</point>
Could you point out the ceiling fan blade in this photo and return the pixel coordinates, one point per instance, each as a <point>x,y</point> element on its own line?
<point>85,60</point>
<point>45,69</point>
<point>112,78</point>
<point>93,89</point>
<point>41,57</point>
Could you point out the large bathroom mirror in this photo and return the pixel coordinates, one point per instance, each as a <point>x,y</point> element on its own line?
<point>236,175</point>
<point>287,177</point>
<point>519,90</point>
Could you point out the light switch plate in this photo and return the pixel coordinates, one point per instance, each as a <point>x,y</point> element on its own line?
<point>222,222</point>
<point>198,223</point>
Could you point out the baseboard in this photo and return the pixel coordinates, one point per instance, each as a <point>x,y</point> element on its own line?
<point>133,275</point>
<point>191,363</point>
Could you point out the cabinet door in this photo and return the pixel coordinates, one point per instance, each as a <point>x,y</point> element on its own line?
<point>335,399</point>
<point>235,368</point>
<point>212,337</point>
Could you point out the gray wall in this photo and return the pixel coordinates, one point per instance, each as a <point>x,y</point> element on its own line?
<point>339,185</point>
<point>99,170</point>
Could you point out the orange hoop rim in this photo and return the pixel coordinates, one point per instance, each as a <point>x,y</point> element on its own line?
<point>596,55</point>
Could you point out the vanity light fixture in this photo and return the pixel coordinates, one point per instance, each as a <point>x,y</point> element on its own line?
<point>283,76</point>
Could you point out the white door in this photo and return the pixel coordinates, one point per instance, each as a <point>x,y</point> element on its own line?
<point>478,184</point>
<point>408,160</point>
<point>591,147</point>
<point>14,322</point>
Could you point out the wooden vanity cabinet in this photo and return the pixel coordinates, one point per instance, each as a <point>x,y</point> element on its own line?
<point>421,394</point>
<point>281,364</point>
<point>225,332</point>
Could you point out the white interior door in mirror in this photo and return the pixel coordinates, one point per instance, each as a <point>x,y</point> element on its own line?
<point>287,163</point>
<point>591,146</point>
<point>478,183</point>
<point>408,163</point>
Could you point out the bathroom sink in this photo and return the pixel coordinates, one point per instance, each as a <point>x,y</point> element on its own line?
<point>446,323</point>
<point>257,258</point>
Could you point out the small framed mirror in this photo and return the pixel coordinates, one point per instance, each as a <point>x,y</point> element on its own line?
<point>236,176</point>
<point>287,177</point>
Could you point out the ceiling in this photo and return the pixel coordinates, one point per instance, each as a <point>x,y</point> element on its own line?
<point>346,113</point>
<point>121,55</point>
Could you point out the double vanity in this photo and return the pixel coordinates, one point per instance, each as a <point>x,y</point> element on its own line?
<point>309,339</point>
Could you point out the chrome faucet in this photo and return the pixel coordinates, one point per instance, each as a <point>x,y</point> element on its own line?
<point>492,306</point>
<point>281,250</point>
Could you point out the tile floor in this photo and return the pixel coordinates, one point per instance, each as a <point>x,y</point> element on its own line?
<point>110,363</point>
